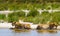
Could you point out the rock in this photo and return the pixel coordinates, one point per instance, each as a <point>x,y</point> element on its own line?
<point>58,27</point>
<point>39,27</point>
<point>34,26</point>
<point>45,26</point>
<point>27,26</point>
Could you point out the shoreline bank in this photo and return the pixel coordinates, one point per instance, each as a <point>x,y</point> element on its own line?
<point>9,25</point>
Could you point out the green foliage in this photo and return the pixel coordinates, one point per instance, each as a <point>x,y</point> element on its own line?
<point>3,6</point>
<point>56,17</point>
<point>56,6</point>
<point>2,16</point>
<point>45,17</point>
<point>32,19</point>
<point>28,4</point>
<point>15,16</point>
<point>33,13</point>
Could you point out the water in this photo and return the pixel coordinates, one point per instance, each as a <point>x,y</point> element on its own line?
<point>9,32</point>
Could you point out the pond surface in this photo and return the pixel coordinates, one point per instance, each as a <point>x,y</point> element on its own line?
<point>9,32</point>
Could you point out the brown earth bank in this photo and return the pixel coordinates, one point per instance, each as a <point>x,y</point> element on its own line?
<point>49,26</point>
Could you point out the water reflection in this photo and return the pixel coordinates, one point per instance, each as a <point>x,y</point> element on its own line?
<point>18,32</point>
<point>47,31</point>
<point>39,31</point>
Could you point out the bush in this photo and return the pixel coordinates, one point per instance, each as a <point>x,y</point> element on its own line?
<point>33,13</point>
<point>2,16</point>
<point>55,17</point>
<point>15,16</point>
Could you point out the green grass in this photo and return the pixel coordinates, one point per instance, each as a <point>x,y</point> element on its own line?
<point>33,16</point>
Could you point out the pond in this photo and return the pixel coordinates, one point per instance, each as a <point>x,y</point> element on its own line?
<point>10,32</point>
